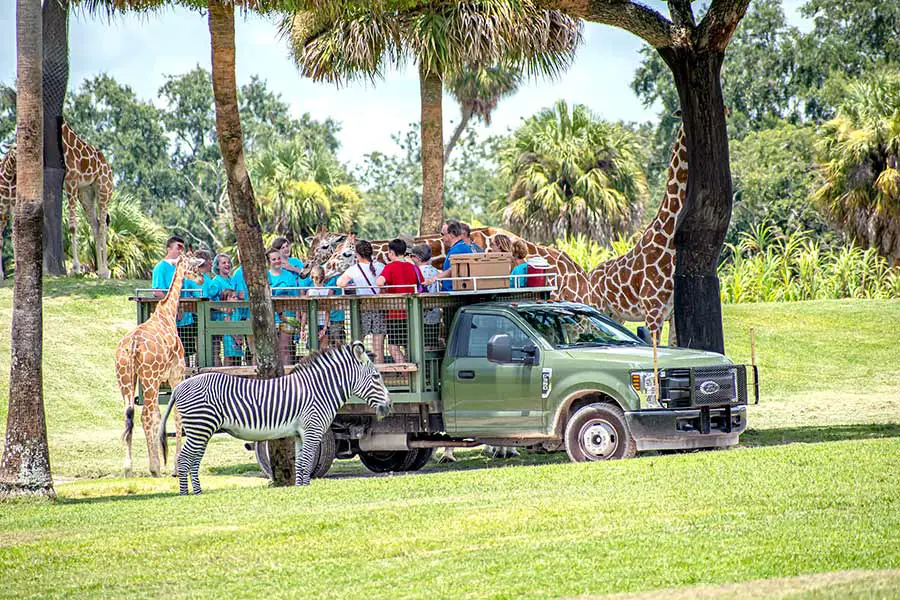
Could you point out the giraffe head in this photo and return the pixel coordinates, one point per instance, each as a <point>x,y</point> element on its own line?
<point>343,257</point>
<point>189,266</point>
<point>321,247</point>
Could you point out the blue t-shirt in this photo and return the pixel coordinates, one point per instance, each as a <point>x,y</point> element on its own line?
<point>163,273</point>
<point>296,262</point>
<point>337,316</point>
<point>519,282</point>
<point>213,289</point>
<point>237,278</point>
<point>460,247</point>
<point>278,283</point>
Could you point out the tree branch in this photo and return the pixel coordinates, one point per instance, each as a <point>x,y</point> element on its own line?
<point>681,13</point>
<point>640,20</point>
<point>719,23</point>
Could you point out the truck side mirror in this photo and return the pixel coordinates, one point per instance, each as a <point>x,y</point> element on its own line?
<point>531,353</point>
<point>499,349</point>
<point>644,334</point>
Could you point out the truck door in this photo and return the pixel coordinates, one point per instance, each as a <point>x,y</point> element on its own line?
<point>488,397</point>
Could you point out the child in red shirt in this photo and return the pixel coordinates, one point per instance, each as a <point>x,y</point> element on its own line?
<point>398,277</point>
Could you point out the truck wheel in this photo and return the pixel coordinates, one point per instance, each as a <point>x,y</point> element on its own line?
<point>598,432</point>
<point>384,461</point>
<point>419,458</point>
<point>327,452</point>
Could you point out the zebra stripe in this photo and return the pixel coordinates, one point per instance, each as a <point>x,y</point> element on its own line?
<point>302,404</point>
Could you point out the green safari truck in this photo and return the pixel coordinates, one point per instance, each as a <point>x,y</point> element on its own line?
<point>509,368</point>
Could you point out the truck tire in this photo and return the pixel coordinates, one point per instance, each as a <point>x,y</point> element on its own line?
<point>598,432</point>
<point>327,452</point>
<point>391,460</point>
<point>419,458</point>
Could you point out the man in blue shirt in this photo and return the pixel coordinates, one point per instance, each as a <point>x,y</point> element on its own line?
<point>452,236</point>
<point>162,279</point>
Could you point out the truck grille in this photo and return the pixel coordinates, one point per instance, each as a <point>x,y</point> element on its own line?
<point>705,386</point>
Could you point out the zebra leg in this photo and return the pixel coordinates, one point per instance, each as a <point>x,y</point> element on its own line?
<point>189,459</point>
<point>307,452</point>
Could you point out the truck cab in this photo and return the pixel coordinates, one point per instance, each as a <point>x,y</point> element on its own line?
<point>564,375</point>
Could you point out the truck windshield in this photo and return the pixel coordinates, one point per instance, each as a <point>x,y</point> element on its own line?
<point>576,326</point>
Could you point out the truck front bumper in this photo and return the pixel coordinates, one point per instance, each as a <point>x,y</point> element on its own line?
<point>687,428</point>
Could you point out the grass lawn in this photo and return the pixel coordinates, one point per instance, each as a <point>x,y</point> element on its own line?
<point>807,507</point>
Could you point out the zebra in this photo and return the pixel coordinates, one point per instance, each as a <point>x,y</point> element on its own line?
<point>302,404</point>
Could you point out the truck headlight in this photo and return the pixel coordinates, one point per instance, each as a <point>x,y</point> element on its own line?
<point>644,384</point>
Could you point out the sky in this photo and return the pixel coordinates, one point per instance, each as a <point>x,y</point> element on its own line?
<point>142,51</point>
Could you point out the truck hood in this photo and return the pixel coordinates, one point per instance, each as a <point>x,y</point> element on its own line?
<point>641,357</point>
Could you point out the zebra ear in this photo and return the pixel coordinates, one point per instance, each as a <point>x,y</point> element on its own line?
<point>359,351</point>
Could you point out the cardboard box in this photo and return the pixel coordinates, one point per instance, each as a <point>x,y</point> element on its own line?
<point>490,264</point>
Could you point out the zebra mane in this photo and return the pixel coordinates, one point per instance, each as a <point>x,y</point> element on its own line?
<point>314,358</point>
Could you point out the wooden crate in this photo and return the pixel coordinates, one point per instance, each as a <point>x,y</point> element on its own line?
<point>491,264</point>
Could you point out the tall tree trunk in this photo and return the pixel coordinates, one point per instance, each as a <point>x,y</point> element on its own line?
<point>704,219</point>
<point>56,76</point>
<point>245,215</point>
<point>465,117</point>
<point>25,467</point>
<point>431,87</point>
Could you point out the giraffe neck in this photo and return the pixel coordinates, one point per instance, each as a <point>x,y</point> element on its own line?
<point>8,166</point>
<point>168,306</point>
<point>676,180</point>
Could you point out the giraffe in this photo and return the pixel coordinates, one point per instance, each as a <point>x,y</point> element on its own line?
<point>639,285</point>
<point>88,180</point>
<point>573,282</point>
<point>7,195</point>
<point>152,354</point>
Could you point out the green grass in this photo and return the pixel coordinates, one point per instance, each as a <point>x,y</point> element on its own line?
<point>807,507</point>
<point>538,532</point>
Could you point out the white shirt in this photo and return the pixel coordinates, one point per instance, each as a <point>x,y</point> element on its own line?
<point>363,279</point>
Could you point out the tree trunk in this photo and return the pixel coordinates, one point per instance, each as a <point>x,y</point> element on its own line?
<point>704,218</point>
<point>56,77</point>
<point>465,117</point>
<point>431,87</point>
<point>244,213</point>
<point>25,467</point>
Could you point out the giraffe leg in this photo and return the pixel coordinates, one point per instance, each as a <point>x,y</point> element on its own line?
<point>71,205</point>
<point>88,203</point>
<point>150,419</point>
<point>176,376</point>
<point>447,457</point>
<point>102,196</point>
<point>125,375</point>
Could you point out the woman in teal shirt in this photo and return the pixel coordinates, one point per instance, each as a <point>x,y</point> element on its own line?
<point>283,283</point>
<point>519,252</point>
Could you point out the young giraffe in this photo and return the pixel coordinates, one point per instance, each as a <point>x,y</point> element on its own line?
<point>639,285</point>
<point>7,195</point>
<point>152,353</point>
<point>88,180</point>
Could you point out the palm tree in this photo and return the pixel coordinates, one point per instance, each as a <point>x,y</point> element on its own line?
<point>859,153</point>
<point>300,187</point>
<point>25,466</point>
<point>359,40</point>
<point>570,173</point>
<point>478,89</point>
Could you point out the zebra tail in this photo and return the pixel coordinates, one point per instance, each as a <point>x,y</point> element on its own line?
<point>132,376</point>
<point>163,442</point>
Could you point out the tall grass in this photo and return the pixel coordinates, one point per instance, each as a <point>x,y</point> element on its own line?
<point>765,266</point>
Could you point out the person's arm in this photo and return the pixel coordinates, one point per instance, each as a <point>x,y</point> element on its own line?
<point>157,283</point>
<point>380,281</point>
<point>344,280</point>
<point>440,275</point>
